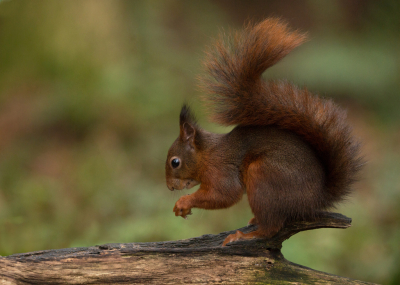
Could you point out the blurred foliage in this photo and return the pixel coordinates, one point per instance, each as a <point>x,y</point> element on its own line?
<point>90,93</point>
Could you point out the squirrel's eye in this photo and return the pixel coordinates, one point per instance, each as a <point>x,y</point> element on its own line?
<point>175,162</point>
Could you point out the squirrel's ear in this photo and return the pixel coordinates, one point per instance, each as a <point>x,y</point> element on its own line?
<point>187,124</point>
<point>187,133</point>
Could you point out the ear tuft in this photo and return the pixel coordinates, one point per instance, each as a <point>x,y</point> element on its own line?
<point>187,116</point>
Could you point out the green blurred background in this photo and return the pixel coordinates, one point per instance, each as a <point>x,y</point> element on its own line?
<point>90,93</point>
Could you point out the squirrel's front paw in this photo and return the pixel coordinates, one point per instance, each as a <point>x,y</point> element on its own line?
<point>183,207</point>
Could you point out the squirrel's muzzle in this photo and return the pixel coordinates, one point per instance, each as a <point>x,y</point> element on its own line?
<point>179,184</point>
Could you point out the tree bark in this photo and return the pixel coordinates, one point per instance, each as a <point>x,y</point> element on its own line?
<point>200,260</point>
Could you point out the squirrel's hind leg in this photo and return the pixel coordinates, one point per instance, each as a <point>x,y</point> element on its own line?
<point>253,221</point>
<point>265,198</point>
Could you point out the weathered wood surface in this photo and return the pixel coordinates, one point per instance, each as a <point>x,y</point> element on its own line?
<point>199,260</point>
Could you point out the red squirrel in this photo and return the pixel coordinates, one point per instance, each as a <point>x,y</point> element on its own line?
<point>290,151</point>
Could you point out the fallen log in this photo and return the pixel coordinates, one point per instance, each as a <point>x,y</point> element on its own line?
<point>200,260</point>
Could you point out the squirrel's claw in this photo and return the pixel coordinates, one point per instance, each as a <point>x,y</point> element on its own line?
<point>188,214</point>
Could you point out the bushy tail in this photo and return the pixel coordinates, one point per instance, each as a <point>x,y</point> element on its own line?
<point>239,96</point>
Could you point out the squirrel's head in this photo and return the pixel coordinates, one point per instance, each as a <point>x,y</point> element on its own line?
<point>183,156</point>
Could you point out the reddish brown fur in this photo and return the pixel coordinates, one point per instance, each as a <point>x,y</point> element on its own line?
<point>290,150</point>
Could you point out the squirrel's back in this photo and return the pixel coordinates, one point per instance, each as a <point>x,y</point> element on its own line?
<point>239,96</point>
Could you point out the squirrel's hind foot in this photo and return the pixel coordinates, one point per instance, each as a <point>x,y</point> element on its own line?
<point>242,236</point>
